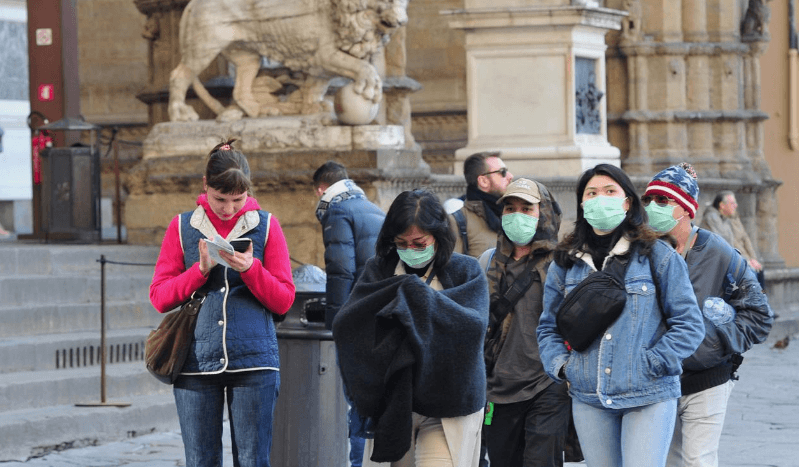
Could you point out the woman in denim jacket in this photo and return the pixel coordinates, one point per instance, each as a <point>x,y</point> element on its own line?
<point>625,385</point>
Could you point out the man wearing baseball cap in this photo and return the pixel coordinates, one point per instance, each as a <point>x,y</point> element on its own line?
<point>530,413</point>
<point>736,312</point>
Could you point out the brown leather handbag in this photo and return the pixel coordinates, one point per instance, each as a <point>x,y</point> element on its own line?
<point>167,346</point>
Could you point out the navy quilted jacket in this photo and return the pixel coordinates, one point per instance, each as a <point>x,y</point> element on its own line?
<point>234,331</point>
<point>349,231</point>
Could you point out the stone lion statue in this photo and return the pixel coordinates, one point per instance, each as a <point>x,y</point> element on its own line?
<point>320,38</point>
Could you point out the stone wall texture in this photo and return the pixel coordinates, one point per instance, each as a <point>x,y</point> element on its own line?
<point>683,83</point>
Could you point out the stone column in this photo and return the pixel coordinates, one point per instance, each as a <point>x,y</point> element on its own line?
<point>690,72</point>
<point>536,83</point>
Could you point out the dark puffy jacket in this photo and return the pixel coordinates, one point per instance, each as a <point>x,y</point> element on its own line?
<point>349,231</point>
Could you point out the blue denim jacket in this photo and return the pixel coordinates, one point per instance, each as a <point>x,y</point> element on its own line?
<point>638,360</point>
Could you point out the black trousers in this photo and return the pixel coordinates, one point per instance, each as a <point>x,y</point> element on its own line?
<point>530,433</point>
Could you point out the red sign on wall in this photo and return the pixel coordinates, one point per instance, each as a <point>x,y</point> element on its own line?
<point>46,92</point>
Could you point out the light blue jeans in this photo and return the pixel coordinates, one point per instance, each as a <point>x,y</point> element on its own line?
<point>251,397</point>
<point>634,437</point>
<point>697,431</point>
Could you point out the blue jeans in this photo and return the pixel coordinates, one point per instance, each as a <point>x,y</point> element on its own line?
<point>357,429</point>
<point>251,397</point>
<point>634,437</point>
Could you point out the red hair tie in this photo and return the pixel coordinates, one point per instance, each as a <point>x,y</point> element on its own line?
<point>224,147</point>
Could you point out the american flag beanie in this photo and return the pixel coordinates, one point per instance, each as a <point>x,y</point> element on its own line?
<point>677,182</point>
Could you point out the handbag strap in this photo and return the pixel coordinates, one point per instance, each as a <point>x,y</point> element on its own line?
<point>653,273</point>
<point>516,291</point>
<point>617,268</point>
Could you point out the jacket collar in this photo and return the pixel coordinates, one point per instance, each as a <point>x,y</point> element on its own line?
<point>336,193</point>
<point>200,221</point>
<point>620,248</point>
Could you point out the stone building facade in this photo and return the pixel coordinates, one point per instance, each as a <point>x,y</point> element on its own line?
<point>683,83</point>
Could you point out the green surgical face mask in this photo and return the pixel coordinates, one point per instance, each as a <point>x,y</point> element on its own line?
<point>661,218</point>
<point>604,213</point>
<point>520,228</point>
<point>415,258</point>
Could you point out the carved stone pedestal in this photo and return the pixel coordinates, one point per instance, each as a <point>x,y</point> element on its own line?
<point>283,153</point>
<point>536,82</point>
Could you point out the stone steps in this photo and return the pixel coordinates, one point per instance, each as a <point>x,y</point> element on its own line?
<point>36,319</point>
<point>24,289</point>
<point>72,350</point>
<point>29,432</point>
<point>50,302</point>
<point>76,385</point>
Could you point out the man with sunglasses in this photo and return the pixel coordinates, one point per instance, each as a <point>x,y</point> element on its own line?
<point>735,310</point>
<point>477,223</point>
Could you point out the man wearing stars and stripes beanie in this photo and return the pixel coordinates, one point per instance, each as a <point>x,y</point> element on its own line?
<point>677,182</point>
<point>735,310</point>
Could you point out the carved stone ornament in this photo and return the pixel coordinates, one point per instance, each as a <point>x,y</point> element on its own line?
<point>588,96</point>
<point>314,39</point>
<point>754,27</point>
<point>631,25</point>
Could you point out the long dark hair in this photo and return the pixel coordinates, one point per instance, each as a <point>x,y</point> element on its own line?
<point>227,169</point>
<point>422,209</point>
<point>634,227</point>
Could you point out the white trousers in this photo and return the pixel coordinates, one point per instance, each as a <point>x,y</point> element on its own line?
<point>438,442</point>
<point>697,430</point>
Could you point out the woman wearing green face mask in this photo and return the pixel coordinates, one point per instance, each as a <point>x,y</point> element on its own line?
<point>625,385</point>
<point>410,341</point>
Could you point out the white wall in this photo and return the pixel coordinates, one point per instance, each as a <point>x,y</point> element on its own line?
<point>15,160</point>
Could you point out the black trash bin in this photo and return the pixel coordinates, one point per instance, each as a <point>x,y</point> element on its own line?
<point>310,425</point>
<point>71,194</point>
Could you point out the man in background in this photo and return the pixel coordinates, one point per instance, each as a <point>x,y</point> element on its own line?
<point>722,218</point>
<point>350,226</point>
<point>477,223</point>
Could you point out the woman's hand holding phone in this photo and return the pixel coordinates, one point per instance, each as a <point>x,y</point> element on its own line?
<point>241,259</point>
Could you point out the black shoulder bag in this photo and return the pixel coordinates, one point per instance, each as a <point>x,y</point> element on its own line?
<point>591,307</point>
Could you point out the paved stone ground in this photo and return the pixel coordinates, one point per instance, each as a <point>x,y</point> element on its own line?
<point>761,430</point>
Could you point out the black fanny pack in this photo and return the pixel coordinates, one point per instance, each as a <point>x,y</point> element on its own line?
<point>591,307</point>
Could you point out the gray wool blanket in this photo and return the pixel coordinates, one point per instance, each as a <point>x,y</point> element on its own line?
<point>404,347</point>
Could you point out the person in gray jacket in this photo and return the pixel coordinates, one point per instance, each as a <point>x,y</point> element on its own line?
<point>735,309</point>
<point>350,227</point>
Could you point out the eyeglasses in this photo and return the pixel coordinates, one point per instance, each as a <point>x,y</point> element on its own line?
<point>660,200</point>
<point>502,172</point>
<point>418,245</point>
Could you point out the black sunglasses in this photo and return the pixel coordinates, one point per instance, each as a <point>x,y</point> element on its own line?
<point>502,172</point>
<point>660,200</point>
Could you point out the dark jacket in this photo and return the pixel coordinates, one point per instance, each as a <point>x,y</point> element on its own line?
<point>516,373</point>
<point>350,227</point>
<point>404,347</point>
<point>708,262</point>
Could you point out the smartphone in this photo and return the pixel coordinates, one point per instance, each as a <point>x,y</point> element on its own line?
<point>241,244</point>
